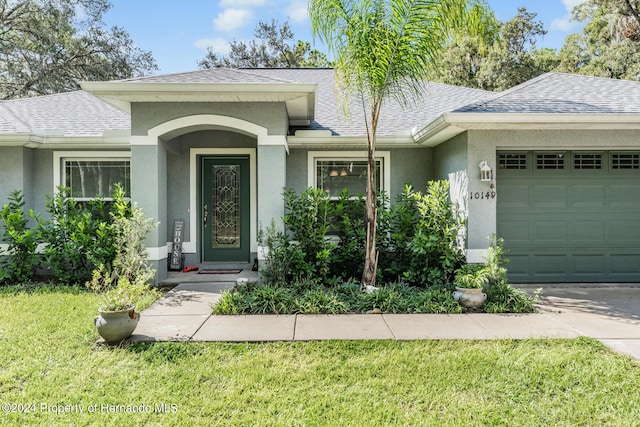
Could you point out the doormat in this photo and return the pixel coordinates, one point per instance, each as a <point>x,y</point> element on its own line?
<point>218,271</point>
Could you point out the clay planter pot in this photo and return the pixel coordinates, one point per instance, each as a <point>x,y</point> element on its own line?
<point>470,297</point>
<point>114,326</point>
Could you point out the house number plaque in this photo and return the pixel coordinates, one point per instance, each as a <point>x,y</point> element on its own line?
<point>482,195</point>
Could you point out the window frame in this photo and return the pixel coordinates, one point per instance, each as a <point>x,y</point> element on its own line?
<point>61,157</point>
<point>384,157</point>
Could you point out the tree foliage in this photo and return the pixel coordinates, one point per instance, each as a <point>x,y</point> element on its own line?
<point>387,49</point>
<point>504,57</point>
<point>48,46</point>
<point>272,48</point>
<point>609,44</point>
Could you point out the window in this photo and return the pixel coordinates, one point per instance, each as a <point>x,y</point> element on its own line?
<point>335,171</point>
<point>550,161</point>
<point>587,161</point>
<point>512,161</point>
<point>625,161</point>
<point>94,174</point>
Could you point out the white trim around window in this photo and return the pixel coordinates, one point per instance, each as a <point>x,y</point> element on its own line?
<point>60,156</point>
<point>384,157</point>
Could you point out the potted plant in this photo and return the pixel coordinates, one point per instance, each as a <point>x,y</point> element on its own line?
<point>469,281</point>
<point>117,317</point>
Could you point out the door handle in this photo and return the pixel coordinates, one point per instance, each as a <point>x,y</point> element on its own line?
<point>205,214</point>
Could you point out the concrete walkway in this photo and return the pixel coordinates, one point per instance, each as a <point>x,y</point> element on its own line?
<point>610,314</point>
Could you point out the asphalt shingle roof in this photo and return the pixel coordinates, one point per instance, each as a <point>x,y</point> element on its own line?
<point>440,98</point>
<point>82,114</point>
<point>564,93</point>
<point>74,113</point>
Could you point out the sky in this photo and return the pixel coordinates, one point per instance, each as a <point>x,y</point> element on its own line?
<point>179,32</point>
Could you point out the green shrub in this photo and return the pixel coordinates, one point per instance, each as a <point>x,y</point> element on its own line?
<point>126,282</point>
<point>471,276</point>
<point>397,227</point>
<point>438,300</point>
<point>230,302</point>
<point>391,298</point>
<point>423,230</point>
<point>348,224</point>
<point>80,236</point>
<point>271,299</point>
<point>307,219</point>
<point>320,301</point>
<point>501,296</point>
<point>496,272</point>
<point>504,298</point>
<point>20,260</point>
<point>284,261</point>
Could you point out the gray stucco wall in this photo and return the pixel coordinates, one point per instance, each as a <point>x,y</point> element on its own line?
<point>410,166</point>
<point>450,157</point>
<point>271,182</point>
<point>12,165</point>
<point>28,170</point>
<point>145,116</point>
<point>149,187</point>
<point>42,179</point>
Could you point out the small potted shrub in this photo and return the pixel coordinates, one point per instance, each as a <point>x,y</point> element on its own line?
<point>117,317</point>
<point>126,283</point>
<point>469,281</point>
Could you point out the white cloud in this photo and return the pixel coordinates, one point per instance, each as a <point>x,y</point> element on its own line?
<point>298,11</point>
<point>218,44</point>
<point>240,3</point>
<point>232,19</point>
<point>562,24</point>
<point>570,4</point>
<point>565,23</point>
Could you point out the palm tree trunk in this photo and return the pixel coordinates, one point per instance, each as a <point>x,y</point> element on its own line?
<point>371,258</point>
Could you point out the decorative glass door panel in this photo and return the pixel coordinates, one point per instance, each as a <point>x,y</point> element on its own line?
<point>225,209</point>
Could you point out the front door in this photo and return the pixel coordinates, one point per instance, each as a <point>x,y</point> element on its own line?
<point>225,210</point>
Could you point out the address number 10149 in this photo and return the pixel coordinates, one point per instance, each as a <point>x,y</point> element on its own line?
<point>482,195</point>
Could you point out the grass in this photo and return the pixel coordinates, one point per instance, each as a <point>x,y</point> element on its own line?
<point>49,356</point>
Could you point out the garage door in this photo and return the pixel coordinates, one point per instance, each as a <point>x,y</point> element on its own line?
<point>570,216</point>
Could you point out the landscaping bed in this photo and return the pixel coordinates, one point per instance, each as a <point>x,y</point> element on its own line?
<point>310,297</point>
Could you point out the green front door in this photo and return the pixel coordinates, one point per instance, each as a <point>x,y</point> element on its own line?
<point>225,210</point>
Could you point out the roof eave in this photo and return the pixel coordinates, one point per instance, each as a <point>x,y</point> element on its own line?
<point>108,140</point>
<point>300,98</point>
<point>450,125</point>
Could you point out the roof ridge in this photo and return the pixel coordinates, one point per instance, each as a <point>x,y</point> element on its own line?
<point>275,79</point>
<point>49,95</point>
<point>509,91</point>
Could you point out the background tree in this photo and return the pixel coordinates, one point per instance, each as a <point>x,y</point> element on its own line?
<point>47,46</point>
<point>608,45</point>
<point>504,57</point>
<point>386,49</point>
<point>512,59</point>
<point>273,48</point>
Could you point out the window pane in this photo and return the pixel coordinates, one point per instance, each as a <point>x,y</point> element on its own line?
<point>333,176</point>
<point>91,178</point>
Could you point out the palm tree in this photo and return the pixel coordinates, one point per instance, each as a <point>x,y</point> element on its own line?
<point>386,49</point>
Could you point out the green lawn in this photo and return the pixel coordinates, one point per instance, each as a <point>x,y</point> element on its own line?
<point>49,357</point>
